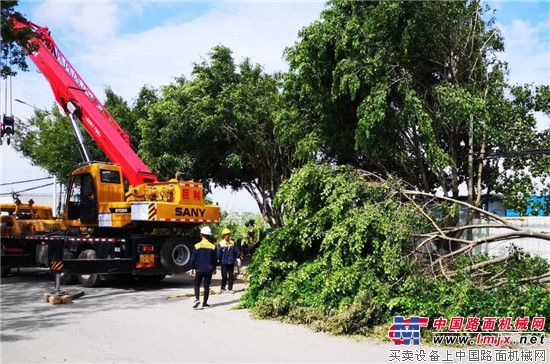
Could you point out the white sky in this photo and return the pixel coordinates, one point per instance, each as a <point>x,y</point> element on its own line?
<point>126,45</point>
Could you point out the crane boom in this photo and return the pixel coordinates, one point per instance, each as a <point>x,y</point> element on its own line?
<point>108,227</point>
<point>78,100</point>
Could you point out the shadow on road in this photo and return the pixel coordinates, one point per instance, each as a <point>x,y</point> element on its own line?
<point>24,310</point>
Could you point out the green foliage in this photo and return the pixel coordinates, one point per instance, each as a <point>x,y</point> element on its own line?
<point>48,140</point>
<point>220,126</point>
<point>528,168</point>
<point>341,236</point>
<point>399,88</point>
<point>122,113</point>
<point>342,262</point>
<point>236,223</point>
<point>11,53</point>
<point>466,295</point>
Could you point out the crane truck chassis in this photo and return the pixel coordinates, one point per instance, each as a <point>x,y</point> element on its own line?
<point>106,228</point>
<point>32,237</point>
<point>16,221</point>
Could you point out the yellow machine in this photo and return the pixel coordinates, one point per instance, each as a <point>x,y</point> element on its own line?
<point>114,211</point>
<point>18,220</point>
<point>97,198</point>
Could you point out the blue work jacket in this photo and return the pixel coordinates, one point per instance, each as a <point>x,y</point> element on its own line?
<point>227,252</point>
<point>203,258</point>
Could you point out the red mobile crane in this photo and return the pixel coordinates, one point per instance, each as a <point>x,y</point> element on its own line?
<point>108,228</point>
<point>79,102</point>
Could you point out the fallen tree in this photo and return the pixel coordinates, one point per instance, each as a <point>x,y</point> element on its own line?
<point>358,250</point>
<point>439,262</point>
<point>443,234</point>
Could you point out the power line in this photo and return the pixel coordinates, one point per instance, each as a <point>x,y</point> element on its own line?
<point>29,180</point>
<point>519,153</point>
<point>28,189</point>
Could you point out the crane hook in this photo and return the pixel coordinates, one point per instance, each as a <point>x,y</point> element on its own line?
<point>7,128</point>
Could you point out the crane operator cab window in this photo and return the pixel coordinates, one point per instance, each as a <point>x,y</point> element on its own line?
<point>82,199</point>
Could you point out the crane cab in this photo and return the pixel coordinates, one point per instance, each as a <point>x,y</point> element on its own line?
<point>97,198</point>
<point>92,187</point>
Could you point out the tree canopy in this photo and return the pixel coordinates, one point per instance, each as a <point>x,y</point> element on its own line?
<point>415,90</point>
<point>12,55</point>
<point>48,140</point>
<point>220,126</point>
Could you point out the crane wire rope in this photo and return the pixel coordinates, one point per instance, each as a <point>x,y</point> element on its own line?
<point>5,95</point>
<point>8,78</point>
<point>11,92</point>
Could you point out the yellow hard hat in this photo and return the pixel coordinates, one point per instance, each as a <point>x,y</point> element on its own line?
<point>226,231</point>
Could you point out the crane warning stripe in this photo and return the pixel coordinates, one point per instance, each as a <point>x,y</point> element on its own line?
<point>188,185</point>
<point>39,237</point>
<point>13,250</point>
<point>101,240</point>
<point>187,220</point>
<point>56,266</point>
<point>152,213</point>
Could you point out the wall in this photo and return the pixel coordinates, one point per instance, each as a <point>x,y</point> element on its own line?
<point>532,245</point>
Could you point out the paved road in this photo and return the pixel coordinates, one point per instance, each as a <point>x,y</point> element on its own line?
<point>123,323</point>
<point>138,323</point>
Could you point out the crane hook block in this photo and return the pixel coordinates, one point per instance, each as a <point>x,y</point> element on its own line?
<point>8,125</point>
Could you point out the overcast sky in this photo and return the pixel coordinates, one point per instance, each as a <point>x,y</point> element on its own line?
<point>127,44</point>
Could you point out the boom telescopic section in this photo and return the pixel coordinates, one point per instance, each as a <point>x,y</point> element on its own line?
<point>78,101</point>
<point>107,228</point>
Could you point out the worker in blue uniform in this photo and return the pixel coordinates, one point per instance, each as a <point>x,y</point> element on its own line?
<point>203,265</point>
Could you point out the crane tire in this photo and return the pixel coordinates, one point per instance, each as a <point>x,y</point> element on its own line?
<point>6,269</point>
<point>88,280</point>
<point>66,278</point>
<point>175,254</point>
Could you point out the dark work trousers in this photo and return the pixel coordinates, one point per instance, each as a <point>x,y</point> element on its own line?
<point>198,279</point>
<point>227,275</point>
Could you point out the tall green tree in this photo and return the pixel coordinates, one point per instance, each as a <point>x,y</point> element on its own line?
<point>48,140</point>
<point>524,150</point>
<point>121,112</point>
<point>11,53</point>
<point>411,89</point>
<point>220,126</point>
<point>127,116</point>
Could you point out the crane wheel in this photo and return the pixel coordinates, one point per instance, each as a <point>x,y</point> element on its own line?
<point>88,280</point>
<point>175,254</point>
<point>6,269</point>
